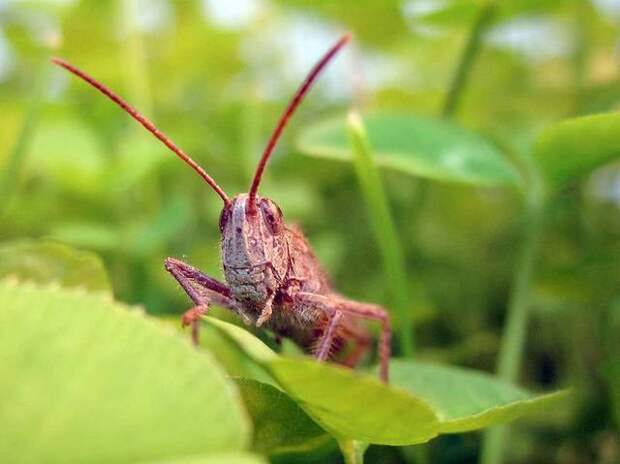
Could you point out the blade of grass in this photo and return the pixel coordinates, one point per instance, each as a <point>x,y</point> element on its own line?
<point>384,230</point>
<point>514,334</point>
<point>470,51</point>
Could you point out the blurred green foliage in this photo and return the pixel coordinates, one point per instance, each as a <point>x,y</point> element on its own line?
<point>215,75</point>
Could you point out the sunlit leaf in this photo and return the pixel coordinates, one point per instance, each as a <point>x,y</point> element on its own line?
<point>86,380</point>
<point>355,406</point>
<point>416,145</point>
<point>248,342</point>
<point>46,262</point>
<point>465,399</point>
<point>575,147</point>
<point>347,404</point>
<point>422,400</point>
<point>218,458</point>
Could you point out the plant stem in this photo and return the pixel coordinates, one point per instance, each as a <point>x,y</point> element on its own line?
<point>9,178</point>
<point>515,330</point>
<point>352,451</point>
<point>384,229</point>
<point>463,69</point>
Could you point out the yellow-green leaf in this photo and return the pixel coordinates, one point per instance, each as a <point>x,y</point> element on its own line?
<point>84,379</point>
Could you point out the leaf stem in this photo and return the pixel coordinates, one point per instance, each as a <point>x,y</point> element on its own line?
<point>515,330</point>
<point>384,229</point>
<point>464,67</point>
<point>352,451</point>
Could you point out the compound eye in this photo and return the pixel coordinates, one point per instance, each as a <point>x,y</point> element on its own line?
<point>271,215</point>
<point>224,218</point>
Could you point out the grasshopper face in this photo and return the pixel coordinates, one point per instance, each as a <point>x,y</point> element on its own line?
<point>254,248</point>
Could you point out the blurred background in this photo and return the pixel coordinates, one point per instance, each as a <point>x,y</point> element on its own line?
<point>215,75</point>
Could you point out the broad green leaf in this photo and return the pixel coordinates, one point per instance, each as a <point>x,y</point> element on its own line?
<point>416,145</point>
<point>219,458</point>
<point>575,147</point>
<point>280,425</point>
<point>437,399</point>
<point>84,379</point>
<point>47,262</point>
<point>465,399</point>
<point>347,404</point>
<point>354,406</point>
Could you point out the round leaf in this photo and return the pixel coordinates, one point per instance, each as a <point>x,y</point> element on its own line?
<point>465,399</point>
<point>575,147</point>
<point>416,145</point>
<point>86,380</point>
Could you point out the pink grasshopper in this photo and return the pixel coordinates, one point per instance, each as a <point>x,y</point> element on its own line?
<point>273,278</point>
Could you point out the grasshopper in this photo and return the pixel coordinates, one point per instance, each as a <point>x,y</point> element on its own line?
<point>273,278</point>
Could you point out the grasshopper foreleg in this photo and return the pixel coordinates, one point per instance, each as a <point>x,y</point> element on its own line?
<point>204,291</point>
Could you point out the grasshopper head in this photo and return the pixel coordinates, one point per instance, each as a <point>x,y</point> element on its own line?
<point>254,248</point>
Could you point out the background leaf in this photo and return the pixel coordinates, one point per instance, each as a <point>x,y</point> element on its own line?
<point>69,395</point>
<point>575,147</point>
<point>465,399</point>
<point>416,145</point>
<point>46,262</point>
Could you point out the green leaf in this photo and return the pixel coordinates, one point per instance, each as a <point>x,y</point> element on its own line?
<point>416,145</point>
<point>422,400</point>
<point>255,348</point>
<point>575,147</point>
<point>347,404</point>
<point>465,399</point>
<point>219,458</point>
<point>47,262</point>
<point>280,425</point>
<point>230,356</point>
<point>354,406</point>
<point>84,379</point>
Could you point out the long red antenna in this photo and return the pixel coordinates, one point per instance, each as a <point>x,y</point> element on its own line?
<point>148,125</point>
<point>292,106</point>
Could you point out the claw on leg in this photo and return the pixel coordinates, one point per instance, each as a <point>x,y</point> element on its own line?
<point>191,317</point>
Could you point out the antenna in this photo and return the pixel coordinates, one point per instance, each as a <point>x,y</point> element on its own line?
<point>292,106</point>
<point>148,125</point>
